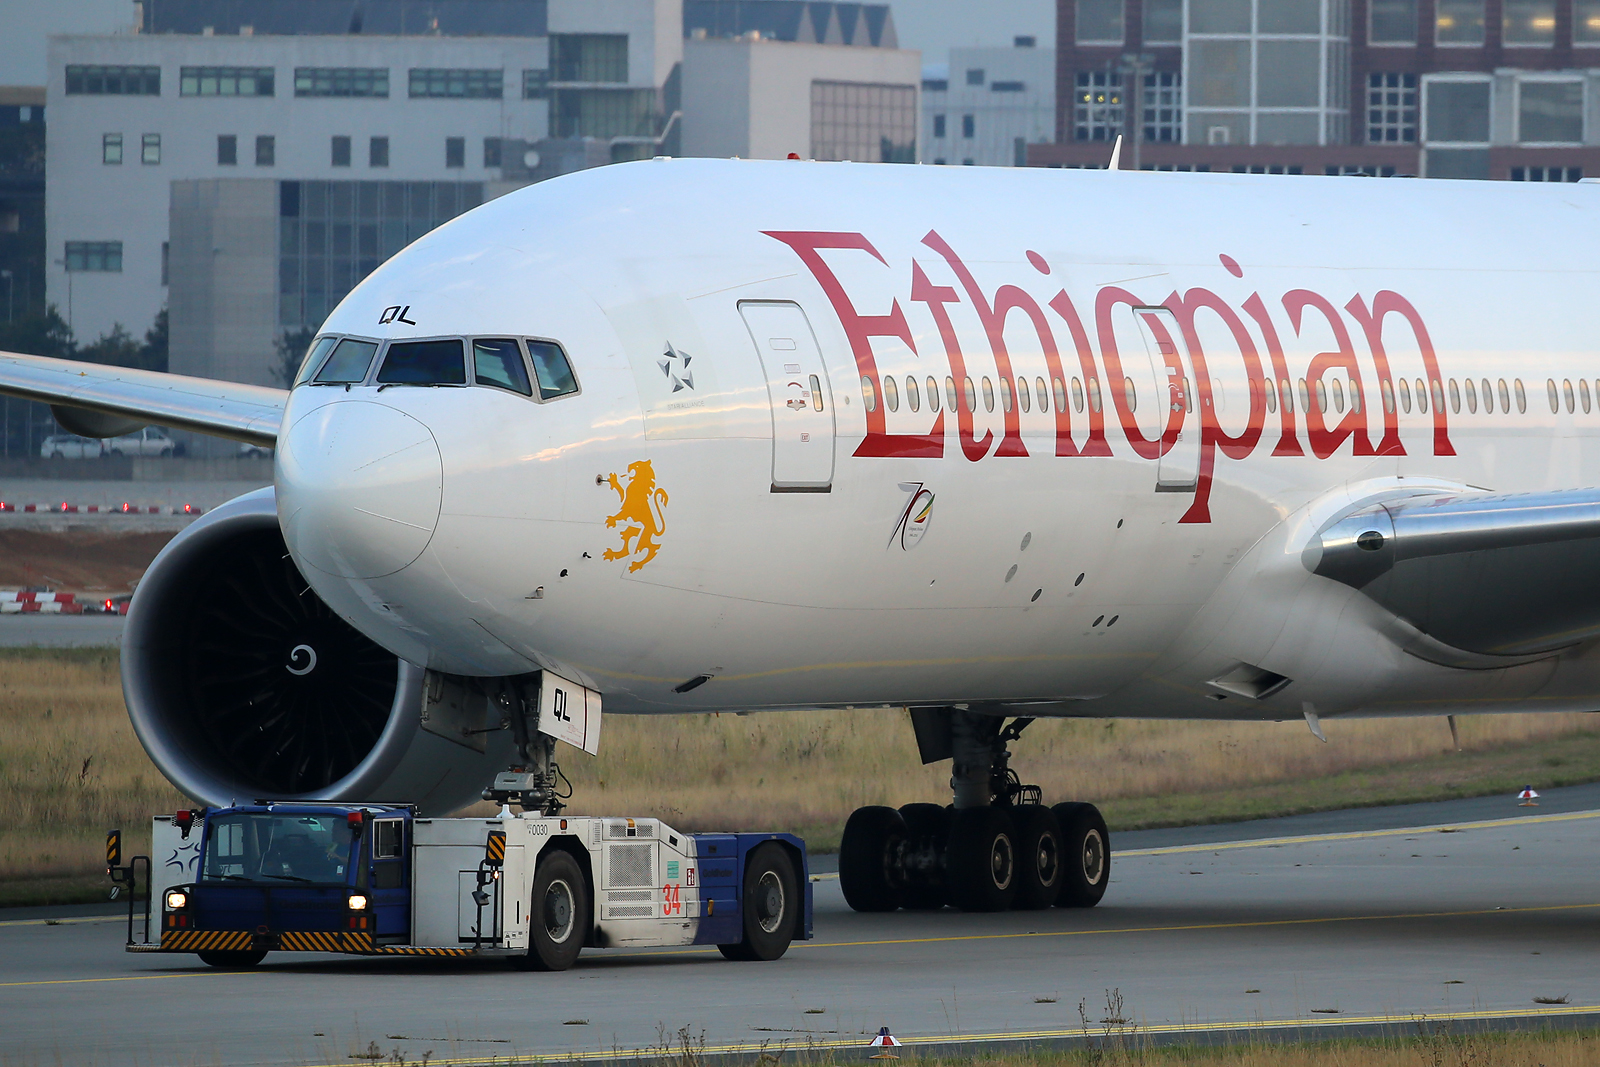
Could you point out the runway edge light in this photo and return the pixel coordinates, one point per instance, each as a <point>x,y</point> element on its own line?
<point>1529,798</point>
<point>886,1041</point>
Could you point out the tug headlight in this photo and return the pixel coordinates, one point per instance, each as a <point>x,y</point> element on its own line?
<point>358,902</point>
<point>177,899</point>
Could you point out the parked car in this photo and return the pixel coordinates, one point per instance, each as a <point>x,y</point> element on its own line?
<point>146,442</point>
<point>71,446</point>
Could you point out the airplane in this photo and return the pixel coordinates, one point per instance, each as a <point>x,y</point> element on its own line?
<point>988,444</point>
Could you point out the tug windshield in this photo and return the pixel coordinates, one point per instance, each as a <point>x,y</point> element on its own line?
<point>278,848</point>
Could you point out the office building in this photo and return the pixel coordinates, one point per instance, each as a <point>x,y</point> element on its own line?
<point>987,105</point>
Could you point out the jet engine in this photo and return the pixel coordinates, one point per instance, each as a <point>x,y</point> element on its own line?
<point>243,684</point>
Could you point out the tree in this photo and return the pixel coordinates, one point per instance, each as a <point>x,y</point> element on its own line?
<point>292,348</point>
<point>154,351</point>
<point>43,333</point>
<point>115,349</point>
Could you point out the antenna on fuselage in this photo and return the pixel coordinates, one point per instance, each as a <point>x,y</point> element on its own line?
<point>1116,155</point>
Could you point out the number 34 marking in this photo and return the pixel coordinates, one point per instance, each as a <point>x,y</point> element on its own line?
<point>673,904</point>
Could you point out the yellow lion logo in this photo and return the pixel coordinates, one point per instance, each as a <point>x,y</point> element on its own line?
<point>640,513</point>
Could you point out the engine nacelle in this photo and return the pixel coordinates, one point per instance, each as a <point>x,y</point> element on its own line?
<point>243,684</point>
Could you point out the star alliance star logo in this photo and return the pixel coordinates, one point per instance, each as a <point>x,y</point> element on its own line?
<point>675,366</point>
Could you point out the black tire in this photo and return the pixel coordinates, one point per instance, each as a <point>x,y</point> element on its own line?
<point>771,903</point>
<point>560,919</point>
<point>233,961</point>
<point>1086,851</point>
<point>1040,857</point>
<point>981,863</point>
<point>927,828</point>
<point>868,855</point>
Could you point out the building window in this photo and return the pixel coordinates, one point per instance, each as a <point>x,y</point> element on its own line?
<point>1392,22</point>
<point>332,234</point>
<point>869,123</point>
<point>1459,22</point>
<point>1097,106</point>
<point>1371,171</point>
<point>455,151</point>
<point>969,126</point>
<point>936,85</point>
<point>341,81</point>
<point>266,151</point>
<point>1100,21</point>
<point>491,151</point>
<point>113,81</point>
<point>1163,21</point>
<point>603,113</point>
<point>975,76</point>
<point>938,125</point>
<point>1586,21</point>
<point>341,150</point>
<point>150,149</point>
<point>1162,104</point>
<point>378,152</point>
<point>1391,108</point>
<point>1529,22</point>
<point>1457,111</point>
<point>1550,112</point>
<point>94,255</point>
<point>227,150</point>
<point>1547,174</point>
<point>1007,87</point>
<point>225,81</point>
<point>589,57</point>
<point>111,148</point>
<point>457,84</point>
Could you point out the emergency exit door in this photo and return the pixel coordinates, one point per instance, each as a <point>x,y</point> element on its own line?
<point>797,389</point>
<point>1178,469</point>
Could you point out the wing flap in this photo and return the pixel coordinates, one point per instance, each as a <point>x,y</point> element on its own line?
<point>1497,575</point>
<point>249,413</point>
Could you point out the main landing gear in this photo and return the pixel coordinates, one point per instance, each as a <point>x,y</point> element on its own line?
<point>996,847</point>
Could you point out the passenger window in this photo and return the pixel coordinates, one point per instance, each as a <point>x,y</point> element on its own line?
<point>913,399</point>
<point>1455,398</point>
<point>1422,396</point>
<point>1322,396</point>
<point>1305,396</point>
<point>1550,390</point>
<point>1566,390</point>
<point>816,393</point>
<point>1005,394</point>
<point>1338,395</point>
<point>1488,397</point>
<point>1094,395</point>
<point>1583,394</point>
<point>869,395</point>
<point>1287,392</point>
<point>348,364</point>
<point>550,366</point>
<point>319,349</point>
<point>972,395</point>
<point>933,394</point>
<point>1041,395</point>
<point>891,393</point>
<point>499,363</point>
<point>1522,396</point>
<point>1472,396</point>
<point>1405,396</point>
<point>1388,397</point>
<point>1077,396</point>
<point>1270,392</point>
<point>988,395</point>
<point>1505,398</point>
<point>950,392</point>
<point>1024,396</point>
<point>1128,391</point>
<point>423,363</point>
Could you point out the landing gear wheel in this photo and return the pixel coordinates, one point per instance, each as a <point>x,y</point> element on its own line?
<point>560,919</point>
<point>771,897</point>
<point>1086,852</point>
<point>927,834</point>
<point>1040,857</point>
<point>233,961</point>
<point>982,864</point>
<point>868,854</point>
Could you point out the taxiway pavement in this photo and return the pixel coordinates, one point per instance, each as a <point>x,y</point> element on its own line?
<point>1368,925</point>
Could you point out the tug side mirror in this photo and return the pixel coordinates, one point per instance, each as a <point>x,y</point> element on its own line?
<point>184,821</point>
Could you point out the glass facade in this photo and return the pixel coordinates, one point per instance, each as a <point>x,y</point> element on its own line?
<point>1097,106</point>
<point>226,81</point>
<point>863,122</point>
<point>589,57</point>
<point>341,81</point>
<point>94,255</point>
<point>1162,102</point>
<point>457,84</point>
<point>1391,108</point>
<point>332,234</point>
<point>113,81</point>
<point>602,113</point>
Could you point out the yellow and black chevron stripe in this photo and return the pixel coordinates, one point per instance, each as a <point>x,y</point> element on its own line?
<point>205,940</point>
<point>324,941</point>
<point>494,850</point>
<point>416,950</point>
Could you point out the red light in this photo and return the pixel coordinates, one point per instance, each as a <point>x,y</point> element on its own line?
<point>794,155</point>
<point>110,606</point>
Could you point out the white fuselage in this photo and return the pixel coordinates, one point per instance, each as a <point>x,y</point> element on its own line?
<point>880,552</point>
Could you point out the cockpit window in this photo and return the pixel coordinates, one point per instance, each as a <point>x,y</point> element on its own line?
<point>348,363</point>
<point>499,363</point>
<point>552,369</point>
<point>423,363</point>
<point>318,350</point>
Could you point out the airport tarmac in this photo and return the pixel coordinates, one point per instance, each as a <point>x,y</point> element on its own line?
<point>1371,926</point>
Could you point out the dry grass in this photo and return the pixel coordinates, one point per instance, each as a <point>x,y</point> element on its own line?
<point>70,768</point>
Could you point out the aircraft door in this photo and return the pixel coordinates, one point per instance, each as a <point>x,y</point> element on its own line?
<point>1178,469</point>
<point>797,387</point>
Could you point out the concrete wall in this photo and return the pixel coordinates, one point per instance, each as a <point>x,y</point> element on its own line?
<point>223,267</point>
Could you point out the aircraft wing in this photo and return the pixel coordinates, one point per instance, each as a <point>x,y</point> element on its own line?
<point>1494,575</point>
<point>100,401</point>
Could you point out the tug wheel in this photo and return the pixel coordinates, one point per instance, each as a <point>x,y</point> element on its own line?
<point>771,895</point>
<point>560,919</point>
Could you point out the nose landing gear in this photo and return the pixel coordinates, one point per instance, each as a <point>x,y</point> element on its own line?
<point>996,847</point>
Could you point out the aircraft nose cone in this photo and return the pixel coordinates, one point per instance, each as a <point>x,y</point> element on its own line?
<point>359,486</point>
